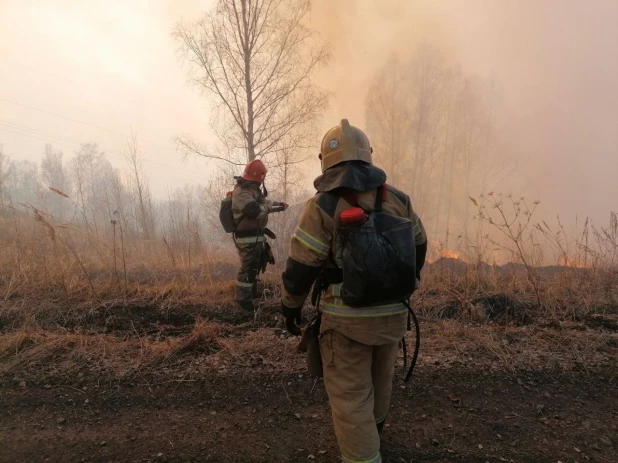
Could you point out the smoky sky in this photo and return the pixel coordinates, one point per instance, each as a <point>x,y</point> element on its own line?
<point>104,68</point>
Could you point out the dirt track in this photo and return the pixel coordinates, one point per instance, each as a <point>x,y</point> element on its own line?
<point>140,384</point>
<point>444,415</point>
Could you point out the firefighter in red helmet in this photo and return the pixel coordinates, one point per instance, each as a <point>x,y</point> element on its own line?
<point>251,208</point>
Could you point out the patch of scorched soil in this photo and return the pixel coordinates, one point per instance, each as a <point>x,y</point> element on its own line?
<point>139,317</point>
<point>454,414</point>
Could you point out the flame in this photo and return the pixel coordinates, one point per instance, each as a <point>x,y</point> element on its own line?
<point>449,254</point>
<point>440,252</point>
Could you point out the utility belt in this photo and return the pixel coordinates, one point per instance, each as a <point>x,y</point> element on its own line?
<point>310,343</point>
<point>333,304</point>
<point>250,239</point>
<point>256,235</point>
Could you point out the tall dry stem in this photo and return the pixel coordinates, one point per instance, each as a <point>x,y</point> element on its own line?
<point>512,225</point>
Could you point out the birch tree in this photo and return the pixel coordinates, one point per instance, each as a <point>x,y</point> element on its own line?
<point>257,59</point>
<point>139,187</point>
<point>4,175</point>
<point>56,181</point>
<point>435,130</point>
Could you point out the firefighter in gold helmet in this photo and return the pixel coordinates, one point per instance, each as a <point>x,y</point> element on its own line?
<point>250,209</point>
<point>358,344</point>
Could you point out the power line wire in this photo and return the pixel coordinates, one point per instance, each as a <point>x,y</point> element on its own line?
<point>15,126</point>
<point>63,117</point>
<point>12,125</point>
<point>75,143</point>
<point>59,76</point>
<point>79,121</point>
<point>38,71</point>
<point>91,125</point>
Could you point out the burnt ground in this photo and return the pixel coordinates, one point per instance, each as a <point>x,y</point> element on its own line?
<point>444,415</point>
<point>471,400</point>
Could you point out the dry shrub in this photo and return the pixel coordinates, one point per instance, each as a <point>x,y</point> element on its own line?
<point>204,338</point>
<point>41,257</point>
<point>262,347</point>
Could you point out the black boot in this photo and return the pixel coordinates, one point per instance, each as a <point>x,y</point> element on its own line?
<point>244,299</point>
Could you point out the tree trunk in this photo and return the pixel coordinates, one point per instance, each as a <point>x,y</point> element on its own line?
<point>248,90</point>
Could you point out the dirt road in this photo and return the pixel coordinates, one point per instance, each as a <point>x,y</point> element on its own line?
<point>199,384</point>
<point>450,414</point>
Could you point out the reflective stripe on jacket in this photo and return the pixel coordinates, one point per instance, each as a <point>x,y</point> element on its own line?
<point>313,244</point>
<point>249,206</point>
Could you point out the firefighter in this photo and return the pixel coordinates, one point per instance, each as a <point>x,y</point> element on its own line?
<point>250,210</point>
<point>358,345</point>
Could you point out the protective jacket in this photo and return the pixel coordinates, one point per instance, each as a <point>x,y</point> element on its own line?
<point>312,248</point>
<point>358,344</point>
<point>250,209</point>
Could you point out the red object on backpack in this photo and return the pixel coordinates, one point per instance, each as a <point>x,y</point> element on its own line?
<point>354,215</point>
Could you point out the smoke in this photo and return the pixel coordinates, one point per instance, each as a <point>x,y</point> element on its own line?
<point>113,65</point>
<point>363,37</point>
<point>554,62</point>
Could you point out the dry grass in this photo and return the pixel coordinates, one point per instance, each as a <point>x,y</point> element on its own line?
<point>214,346</point>
<point>205,337</point>
<point>42,355</point>
<point>89,262</point>
<point>515,347</point>
<point>91,295</point>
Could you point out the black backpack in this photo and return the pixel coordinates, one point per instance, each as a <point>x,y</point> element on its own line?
<point>378,258</point>
<point>226,215</point>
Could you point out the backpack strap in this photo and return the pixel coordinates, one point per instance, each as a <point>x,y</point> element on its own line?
<point>380,198</point>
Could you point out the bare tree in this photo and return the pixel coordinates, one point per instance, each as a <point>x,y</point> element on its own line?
<point>452,79</point>
<point>434,129</point>
<point>386,109</point>
<point>92,174</point>
<point>257,58</point>
<point>4,174</point>
<point>426,72</point>
<point>55,180</point>
<point>139,186</point>
<point>404,108</point>
<point>23,184</point>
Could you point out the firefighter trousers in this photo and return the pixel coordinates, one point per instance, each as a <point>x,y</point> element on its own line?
<point>359,381</point>
<point>250,261</point>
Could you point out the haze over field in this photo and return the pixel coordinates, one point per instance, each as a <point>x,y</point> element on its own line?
<point>90,71</point>
<point>133,327</point>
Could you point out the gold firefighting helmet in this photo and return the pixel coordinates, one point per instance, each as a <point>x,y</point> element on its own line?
<point>342,143</point>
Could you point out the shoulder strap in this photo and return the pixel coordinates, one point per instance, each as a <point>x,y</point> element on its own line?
<point>380,197</point>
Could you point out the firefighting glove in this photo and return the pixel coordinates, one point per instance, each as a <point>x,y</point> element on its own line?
<point>292,319</point>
